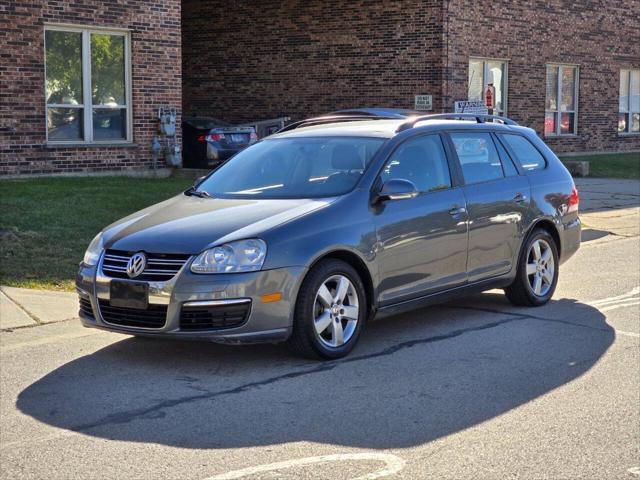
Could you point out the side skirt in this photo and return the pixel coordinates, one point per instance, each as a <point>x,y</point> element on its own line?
<point>444,296</point>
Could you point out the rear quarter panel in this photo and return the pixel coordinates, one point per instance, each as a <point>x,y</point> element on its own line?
<point>551,190</point>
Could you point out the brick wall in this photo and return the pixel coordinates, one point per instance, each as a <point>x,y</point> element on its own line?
<point>248,60</point>
<point>156,80</point>
<point>259,59</point>
<point>600,36</point>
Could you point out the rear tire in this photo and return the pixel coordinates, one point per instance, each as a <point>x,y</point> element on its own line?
<point>537,274</point>
<point>330,311</point>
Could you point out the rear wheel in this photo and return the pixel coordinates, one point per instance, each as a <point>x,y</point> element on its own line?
<point>537,274</point>
<point>330,311</point>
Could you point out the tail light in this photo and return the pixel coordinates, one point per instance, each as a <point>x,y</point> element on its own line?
<point>215,137</point>
<point>574,200</point>
<point>202,138</point>
<point>253,137</point>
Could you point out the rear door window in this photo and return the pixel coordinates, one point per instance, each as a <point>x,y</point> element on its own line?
<point>526,154</point>
<point>478,156</point>
<point>422,161</point>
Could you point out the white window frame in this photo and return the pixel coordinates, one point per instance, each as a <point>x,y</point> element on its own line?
<point>558,112</point>
<point>87,100</point>
<point>629,112</point>
<point>485,75</point>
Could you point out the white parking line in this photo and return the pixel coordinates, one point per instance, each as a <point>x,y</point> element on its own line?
<point>629,299</point>
<point>620,305</point>
<point>635,292</point>
<point>393,464</point>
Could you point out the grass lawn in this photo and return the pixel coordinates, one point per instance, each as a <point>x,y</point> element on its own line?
<point>613,165</point>
<point>47,223</point>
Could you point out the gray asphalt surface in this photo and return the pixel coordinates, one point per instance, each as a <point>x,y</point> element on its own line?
<point>471,389</point>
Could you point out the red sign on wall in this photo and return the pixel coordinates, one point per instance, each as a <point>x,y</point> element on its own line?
<point>490,96</point>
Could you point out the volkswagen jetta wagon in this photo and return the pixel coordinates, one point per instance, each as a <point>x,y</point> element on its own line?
<point>306,235</point>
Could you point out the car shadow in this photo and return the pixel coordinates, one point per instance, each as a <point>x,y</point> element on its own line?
<point>414,378</point>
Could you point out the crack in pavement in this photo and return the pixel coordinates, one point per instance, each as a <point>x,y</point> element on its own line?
<point>528,316</point>
<point>22,327</point>
<point>153,410</point>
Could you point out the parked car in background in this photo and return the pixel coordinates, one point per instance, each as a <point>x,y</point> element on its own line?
<point>306,235</point>
<point>207,141</point>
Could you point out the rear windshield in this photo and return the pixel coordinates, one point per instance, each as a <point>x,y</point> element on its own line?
<point>294,168</point>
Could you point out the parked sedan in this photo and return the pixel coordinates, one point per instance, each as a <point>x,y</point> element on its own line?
<point>307,235</point>
<point>208,141</point>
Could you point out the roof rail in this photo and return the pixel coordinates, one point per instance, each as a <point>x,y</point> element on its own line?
<point>479,118</point>
<point>331,119</point>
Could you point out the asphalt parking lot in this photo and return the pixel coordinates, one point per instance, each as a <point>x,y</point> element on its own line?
<point>471,389</point>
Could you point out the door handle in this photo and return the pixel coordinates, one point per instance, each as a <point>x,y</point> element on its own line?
<point>519,198</point>
<point>457,211</point>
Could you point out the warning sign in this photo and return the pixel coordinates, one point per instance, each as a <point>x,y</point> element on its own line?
<point>475,107</point>
<point>423,102</point>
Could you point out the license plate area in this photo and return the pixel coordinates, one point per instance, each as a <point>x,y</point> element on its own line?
<point>129,295</point>
<point>237,138</point>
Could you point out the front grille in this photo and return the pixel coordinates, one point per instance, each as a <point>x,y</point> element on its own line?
<point>160,266</point>
<point>154,316</point>
<point>85,307</point>
<point>214,317</point>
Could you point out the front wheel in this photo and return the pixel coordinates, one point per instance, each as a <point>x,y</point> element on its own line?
<point>537,274</point>
<point>330,311</point>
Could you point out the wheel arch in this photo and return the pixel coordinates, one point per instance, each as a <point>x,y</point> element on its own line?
<point>355,261</point>
<point>550,227</point>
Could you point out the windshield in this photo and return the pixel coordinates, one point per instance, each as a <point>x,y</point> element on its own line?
<point>293,168</point>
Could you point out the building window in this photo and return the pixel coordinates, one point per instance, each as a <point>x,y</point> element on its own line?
<point>484,72</point>
<point>87,85</point>
<point>561,105</point>
<point>629,111</point>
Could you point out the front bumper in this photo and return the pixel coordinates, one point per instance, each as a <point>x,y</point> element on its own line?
<point>266,322</point>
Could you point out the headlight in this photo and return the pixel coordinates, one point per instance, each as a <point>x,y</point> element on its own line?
<point>92,255</point>
<point>241,256</point>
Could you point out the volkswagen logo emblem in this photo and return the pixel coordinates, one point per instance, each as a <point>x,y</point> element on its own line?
<point>136,264</point>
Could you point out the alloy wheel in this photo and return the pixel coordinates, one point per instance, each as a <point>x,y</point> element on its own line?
<point>540,267</point>
<point>336,311</point>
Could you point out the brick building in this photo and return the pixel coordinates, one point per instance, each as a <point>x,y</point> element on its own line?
<point>80,82</point>
<point>571,70</point>
<point>317,56</point>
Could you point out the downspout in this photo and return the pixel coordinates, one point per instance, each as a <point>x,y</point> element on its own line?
<point>445,72</point>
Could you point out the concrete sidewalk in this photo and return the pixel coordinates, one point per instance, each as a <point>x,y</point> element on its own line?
<point>23,307</point>
<point>609,208</point>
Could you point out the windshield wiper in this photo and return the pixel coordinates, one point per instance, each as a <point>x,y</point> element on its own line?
<point>192,192</point>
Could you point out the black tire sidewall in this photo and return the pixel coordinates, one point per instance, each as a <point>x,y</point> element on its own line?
<point>319,275</point>
<point>535,299</point>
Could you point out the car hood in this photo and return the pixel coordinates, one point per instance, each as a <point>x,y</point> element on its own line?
<point>187,224</point>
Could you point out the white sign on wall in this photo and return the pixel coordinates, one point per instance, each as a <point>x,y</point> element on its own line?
<point>423,103</point>
<point>475,107</point>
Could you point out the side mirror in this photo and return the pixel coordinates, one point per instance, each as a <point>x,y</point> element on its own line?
<point>397,189</point>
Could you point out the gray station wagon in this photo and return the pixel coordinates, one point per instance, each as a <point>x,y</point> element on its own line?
<point>308,234</point>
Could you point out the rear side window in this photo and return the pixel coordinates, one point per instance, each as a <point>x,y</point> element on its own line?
<point>526,154</point>
<point>478,156</point>
<point>422,161</point>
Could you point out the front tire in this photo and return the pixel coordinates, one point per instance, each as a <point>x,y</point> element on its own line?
<point>537,275</point>
<point>330,311</point>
